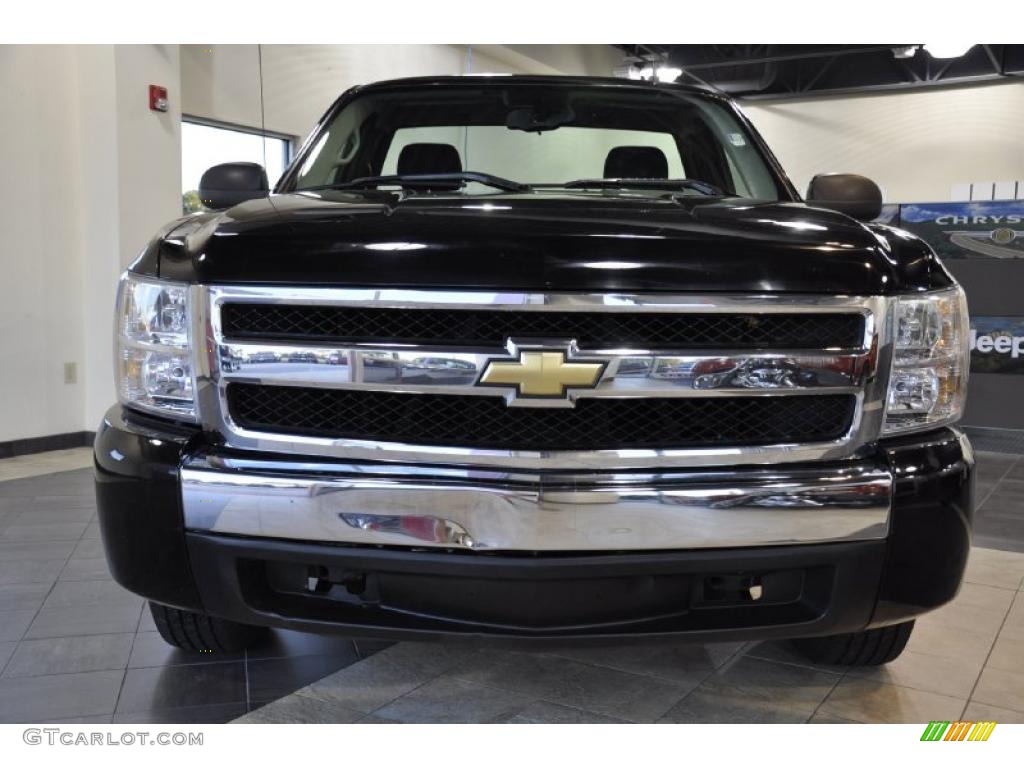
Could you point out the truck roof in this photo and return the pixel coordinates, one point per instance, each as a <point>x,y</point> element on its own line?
<point>569,80</point>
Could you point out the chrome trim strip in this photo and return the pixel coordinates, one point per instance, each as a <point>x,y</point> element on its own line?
<point>549,513</point>
<point>862,372</point>
<point>639,374</point>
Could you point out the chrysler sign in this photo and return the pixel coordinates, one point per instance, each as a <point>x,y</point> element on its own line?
<point>982,229</point>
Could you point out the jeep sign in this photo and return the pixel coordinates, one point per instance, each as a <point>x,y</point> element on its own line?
<point>997,344</point>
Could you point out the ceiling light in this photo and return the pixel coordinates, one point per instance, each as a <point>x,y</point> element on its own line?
<point>947,50</point>
<point>613,264</point>
<point>905,51</point>
<point>648,67</point>
<point>395,246</point>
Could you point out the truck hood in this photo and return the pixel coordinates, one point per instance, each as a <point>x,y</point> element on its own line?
<point>561,241</point>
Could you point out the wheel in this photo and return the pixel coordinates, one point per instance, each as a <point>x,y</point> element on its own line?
<point>199,633</point>
<point>857,649</point>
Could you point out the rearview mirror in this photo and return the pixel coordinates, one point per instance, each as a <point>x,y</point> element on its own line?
<point>532,120</point>
<point>228,184</point>
<point>856,196</point>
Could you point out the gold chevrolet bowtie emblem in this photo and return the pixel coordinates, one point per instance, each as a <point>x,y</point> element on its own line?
<point>541,374</point>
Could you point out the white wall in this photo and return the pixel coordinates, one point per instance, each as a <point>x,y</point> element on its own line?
<point>148,143</point>
<point>99,225</point>
<point>40,207</point>
<point>597,60</point>
<point>145,149</point>
<point>221,82</point>
<point>90,172</point>
<point>914,144</point>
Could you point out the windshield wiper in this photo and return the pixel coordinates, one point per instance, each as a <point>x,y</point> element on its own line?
<point>670,185</point>
<point>426,179</point>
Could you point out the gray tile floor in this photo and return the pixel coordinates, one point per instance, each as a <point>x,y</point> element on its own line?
<point>76,647</point>
<point>999,519</point>
<point>74,644</point>
<point>964,661</point>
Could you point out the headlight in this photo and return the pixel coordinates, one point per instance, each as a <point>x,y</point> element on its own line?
<point>153,357</point>
<point>928,384</point>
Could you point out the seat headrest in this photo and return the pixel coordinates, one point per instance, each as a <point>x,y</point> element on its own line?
<point>428,158</point>
<point>636,163</point>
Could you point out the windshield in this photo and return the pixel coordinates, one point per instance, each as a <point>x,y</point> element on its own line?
<point>542,135</point>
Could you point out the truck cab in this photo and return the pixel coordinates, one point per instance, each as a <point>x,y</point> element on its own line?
<point>538,359</point>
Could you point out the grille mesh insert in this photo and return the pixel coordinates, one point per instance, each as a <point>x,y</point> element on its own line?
<point>594,424</point>
<point>592,330</point>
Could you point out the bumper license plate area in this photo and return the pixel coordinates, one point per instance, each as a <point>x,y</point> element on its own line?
<point>673,600</point>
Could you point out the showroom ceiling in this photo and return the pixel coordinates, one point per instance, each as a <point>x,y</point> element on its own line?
<point>764,71</point>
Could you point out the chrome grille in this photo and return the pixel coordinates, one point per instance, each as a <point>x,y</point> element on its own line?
<point>689,381</point>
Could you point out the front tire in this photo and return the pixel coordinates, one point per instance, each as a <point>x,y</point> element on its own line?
<point>869,648</point>
<point>199,633</point>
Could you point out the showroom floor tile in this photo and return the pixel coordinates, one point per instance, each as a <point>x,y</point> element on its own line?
<point>999,495</point>
<point>36,464</point>
<point>76,647</point>
<point>74,644</point>
<point>964,660</point>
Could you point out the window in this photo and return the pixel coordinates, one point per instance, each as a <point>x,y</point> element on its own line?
<point>203,145</point>
<point>544,135</point>
<point>568,153</point>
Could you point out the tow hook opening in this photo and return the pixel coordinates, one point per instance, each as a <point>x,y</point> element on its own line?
<point>722,589</point>
<point>733,589</point>
<point>342,585</point>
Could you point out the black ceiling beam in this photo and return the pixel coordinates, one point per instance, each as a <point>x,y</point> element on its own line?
<point>854,89</point>
<point>823,54</point>
<point>819,74</point>
<point>942,70</point>
<point>997,64</point>
<point>904,65</point>
<point>765,71</point>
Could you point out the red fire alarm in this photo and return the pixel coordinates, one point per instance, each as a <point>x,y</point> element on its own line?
<point>158,98</point>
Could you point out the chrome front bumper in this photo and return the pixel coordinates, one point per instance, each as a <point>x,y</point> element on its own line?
<point>380,504</point>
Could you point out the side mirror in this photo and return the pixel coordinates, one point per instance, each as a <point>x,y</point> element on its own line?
<point>228,184</point>
<point>856,196</point>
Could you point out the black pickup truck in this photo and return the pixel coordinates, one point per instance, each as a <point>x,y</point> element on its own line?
<point>538,358</point>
